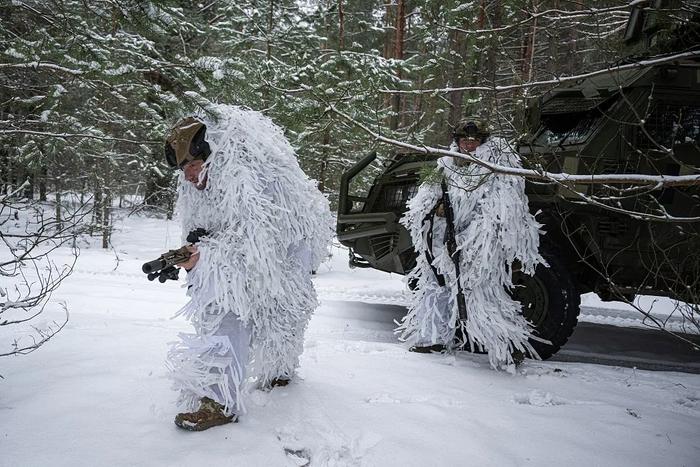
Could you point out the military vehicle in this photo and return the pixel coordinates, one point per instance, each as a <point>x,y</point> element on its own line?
<point>622,121</point>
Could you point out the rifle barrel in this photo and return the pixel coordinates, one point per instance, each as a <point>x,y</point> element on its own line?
<point>152,266</point>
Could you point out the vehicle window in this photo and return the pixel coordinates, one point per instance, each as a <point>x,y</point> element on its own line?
<point>567,129</point>
<point>671,124</point>
<point>395,197</point>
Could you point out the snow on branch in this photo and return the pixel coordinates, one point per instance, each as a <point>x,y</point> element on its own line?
<point>74,135</point>
<point>549,82</point>
<point>11,193</point>
<point>592,11</point>
<point>657,181</point>
<point>40,337</point>
<point>37,65</point>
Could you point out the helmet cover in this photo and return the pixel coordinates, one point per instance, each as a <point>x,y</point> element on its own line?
<point>186,143</point>
<point>471,128</point>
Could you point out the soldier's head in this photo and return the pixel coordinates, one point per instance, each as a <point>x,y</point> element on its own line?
<point>186,148</point>
<point>470,133</point>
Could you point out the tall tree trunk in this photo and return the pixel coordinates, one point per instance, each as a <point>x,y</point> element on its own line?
<point>106,215</point>
<point>529,43</point>
<point>323,168</point>
<point>527,69</point>
<point>572,56</point>
<point>270,25</point>
<point>326,26</point>
<point>388,35</point>
<point>455,98</point>
<point>96,211</point>
<point>41,181</point>
<point>398,54</point>
<point>341,26</point>
<point>58,213</point>
<point>4,170</point>
<point>27,179</point>
<point>266,90</point>
<point>170,210</point>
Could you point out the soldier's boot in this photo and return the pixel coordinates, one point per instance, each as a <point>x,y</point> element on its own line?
<point>209,414</point>
<point>518,357</point>
<point>274,382</point>
<point>281,381</point>
<point>435,348</point>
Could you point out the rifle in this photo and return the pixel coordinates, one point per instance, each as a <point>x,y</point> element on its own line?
<point>451,243</point>
<point>164,268</point>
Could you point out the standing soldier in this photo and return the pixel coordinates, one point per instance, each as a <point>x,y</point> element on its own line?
<point>249,277</point>
<point>470,228</point>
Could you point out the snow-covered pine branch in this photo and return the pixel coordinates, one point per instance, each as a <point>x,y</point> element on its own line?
<point>37,65</point>
<point>74,135</point>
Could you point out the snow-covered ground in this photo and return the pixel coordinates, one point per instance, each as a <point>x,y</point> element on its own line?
<point>97,394</point>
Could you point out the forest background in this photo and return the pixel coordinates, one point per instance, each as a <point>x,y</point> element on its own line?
<point>89,89</point>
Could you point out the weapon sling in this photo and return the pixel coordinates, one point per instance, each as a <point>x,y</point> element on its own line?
<point>451,243</point>
<point>429,245</point>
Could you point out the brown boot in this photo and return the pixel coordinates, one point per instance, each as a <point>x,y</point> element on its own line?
<point>209,414</point>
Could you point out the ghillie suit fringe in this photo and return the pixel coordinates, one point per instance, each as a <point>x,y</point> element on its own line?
<point>493,229</point>
<point>206,366</point>
<point>264,216</point>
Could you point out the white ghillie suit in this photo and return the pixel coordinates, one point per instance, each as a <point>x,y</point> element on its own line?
<point>493,228</point>
<point>251,288</point>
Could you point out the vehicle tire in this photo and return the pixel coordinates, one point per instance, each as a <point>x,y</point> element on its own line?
<point>551,302</point>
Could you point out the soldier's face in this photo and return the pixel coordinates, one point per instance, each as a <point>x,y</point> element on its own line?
<point>469,144</point>
<point>193,170</point>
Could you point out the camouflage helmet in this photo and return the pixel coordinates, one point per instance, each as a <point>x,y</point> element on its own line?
<point>186,143</point>
<point>471,127</point>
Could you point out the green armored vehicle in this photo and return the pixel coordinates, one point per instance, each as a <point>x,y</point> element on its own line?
<point>617,241</point>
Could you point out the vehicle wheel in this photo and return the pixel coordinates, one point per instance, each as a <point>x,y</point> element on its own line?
<point>550,302</point>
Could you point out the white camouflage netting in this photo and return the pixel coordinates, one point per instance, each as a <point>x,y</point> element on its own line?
<point>267,221</point>
<point>493,228</point>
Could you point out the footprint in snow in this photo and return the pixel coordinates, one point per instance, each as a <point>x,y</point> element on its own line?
<point>300,457</point>
<point>538,399</point>
<point>323,446</point>
<point>690,400</point>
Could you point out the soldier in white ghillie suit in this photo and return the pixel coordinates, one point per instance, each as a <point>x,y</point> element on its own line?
<point>249,278</point>
<point>461,297</point>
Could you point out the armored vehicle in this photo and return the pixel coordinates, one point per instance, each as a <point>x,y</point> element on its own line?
<point>615,241</point>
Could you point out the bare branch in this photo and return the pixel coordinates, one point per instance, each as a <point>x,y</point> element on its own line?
<point>549,82</point>
<point>561,14</point>
<point>658,181</point>
<point>44,335</point>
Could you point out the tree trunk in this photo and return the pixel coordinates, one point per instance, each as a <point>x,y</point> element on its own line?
<point>528,47</point>
<point>41,181</point>
<point>270,25</point>
<point>28,191</point>
<point>58,214</point>
<point>324,160</point>
<point>398,54</point>
<point>459,45</point>
<point>96,211</point>
<point>106,214</point>
<point>341,26</point>
<point>388,36</point>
